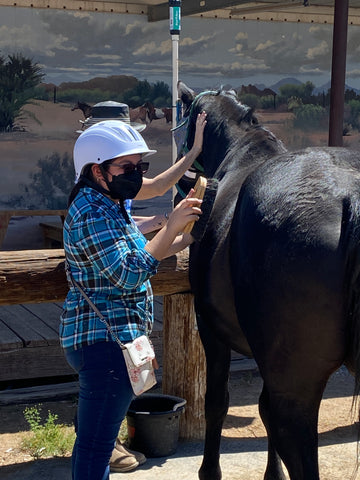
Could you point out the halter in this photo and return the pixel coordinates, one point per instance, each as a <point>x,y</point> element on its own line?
<point>196,168</point>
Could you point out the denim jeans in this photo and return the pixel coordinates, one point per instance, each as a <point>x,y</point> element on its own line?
<point>104,398</point>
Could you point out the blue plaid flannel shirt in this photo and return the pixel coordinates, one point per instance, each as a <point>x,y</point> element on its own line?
<point>106,256</point>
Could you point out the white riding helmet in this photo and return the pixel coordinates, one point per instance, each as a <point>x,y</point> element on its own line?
<point>107,140</point>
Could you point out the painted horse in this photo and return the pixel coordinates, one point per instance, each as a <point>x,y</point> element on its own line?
<point>145,113</point>
<point>84,107</point>
<point>154,113</point>
<point>276,276</point>
<point>168,114</point>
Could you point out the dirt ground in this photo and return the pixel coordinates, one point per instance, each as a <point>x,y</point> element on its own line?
<point>337,428</point>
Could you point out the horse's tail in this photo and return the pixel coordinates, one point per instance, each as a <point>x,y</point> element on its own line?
<point>351,237</point>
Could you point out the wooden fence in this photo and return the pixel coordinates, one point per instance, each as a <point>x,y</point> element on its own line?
<point>35,276</point>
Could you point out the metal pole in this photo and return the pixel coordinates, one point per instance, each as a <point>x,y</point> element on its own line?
<point>175,27</point>
<point>175,77</point>
<point>337,92</point>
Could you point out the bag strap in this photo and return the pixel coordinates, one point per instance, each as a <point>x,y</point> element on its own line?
<point>75,284</point>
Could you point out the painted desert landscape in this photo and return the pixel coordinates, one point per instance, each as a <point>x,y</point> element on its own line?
<point>50,128</point>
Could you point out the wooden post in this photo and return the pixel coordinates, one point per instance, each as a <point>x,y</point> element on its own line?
<point>4,223</point>
<point>184,366</point>
<point>338,73</point>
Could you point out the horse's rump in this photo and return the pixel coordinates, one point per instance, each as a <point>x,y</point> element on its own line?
<point>290,241</point>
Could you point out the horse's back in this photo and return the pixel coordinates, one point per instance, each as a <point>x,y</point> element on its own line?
<point>299,197</point>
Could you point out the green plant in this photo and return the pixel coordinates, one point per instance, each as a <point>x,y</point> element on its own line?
<point>86,95</point>
<point>303,91</point>
<point>268,102</point>
<point>310,117</point>
<point>48,438</point>
<point>123,432</point>
<point>19,76</point>
<point>354,116</point>
<point>250,100</point>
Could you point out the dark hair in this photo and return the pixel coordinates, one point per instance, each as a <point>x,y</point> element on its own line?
<point>87,174</point>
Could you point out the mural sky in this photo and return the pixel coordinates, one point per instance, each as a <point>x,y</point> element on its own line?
<point>76,46</point>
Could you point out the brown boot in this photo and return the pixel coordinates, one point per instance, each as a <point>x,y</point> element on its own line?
<point>124,460</point>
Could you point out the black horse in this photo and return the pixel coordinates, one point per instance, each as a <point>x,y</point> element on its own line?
<point>275,276</point>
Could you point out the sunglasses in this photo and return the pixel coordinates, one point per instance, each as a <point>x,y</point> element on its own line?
<point>141,167</point>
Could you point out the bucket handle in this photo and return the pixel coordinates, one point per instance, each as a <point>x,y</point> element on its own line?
<point>179,405</point>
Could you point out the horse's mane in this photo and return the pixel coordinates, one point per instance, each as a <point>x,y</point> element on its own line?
<point>232,127</point>
<point>239,111</point>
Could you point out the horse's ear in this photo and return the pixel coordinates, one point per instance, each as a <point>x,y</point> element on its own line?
<point>185,93</point>
<point>250,117</point>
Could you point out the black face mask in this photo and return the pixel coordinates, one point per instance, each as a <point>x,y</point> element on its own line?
<point>125,186</point>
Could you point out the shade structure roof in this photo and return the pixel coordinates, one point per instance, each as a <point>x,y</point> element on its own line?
<point>308,11</point>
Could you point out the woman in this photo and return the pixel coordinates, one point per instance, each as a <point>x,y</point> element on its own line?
<point>112,262</point>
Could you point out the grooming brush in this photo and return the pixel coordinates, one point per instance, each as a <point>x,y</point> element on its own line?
<point>205,189</point>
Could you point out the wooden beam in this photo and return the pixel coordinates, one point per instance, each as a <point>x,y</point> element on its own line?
<point>111,6</point>
<point>161,12</point>
<point>32,276</point>
<point>318,11</point>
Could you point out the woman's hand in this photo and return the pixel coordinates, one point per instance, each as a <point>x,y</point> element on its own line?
<point>164,244</point>
<point>185,211</point>
<point>199,133</point>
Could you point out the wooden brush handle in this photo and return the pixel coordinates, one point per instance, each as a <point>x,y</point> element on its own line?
<point>200,188</point>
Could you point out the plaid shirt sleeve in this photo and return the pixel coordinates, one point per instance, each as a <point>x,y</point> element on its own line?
<point>118,256</point>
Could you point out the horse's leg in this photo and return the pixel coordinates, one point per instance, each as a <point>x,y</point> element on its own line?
<point>292,417</point>
<point>274,470</point>
<point>218,358</point>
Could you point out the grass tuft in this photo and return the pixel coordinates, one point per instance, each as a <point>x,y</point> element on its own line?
<point>48,438</point>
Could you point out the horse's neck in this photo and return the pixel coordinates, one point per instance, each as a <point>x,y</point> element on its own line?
<point>260,143</point>
<point>247,152</point>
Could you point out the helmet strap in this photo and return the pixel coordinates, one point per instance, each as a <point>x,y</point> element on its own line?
<point>124,212</point>
<point>94,185</point>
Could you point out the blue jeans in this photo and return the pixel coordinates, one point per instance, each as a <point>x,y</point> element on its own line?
<point>104,398</point>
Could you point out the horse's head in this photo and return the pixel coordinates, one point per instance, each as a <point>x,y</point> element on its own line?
<point>152,112</point>
<point>227,121</point>
<point>233,138</point>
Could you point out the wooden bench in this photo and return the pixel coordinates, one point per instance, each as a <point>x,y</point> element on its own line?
<point>52,233</point>
<point>29,341</point>
<point>6,215</point>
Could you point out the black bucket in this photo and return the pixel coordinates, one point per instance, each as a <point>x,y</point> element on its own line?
<point>153,424</point>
